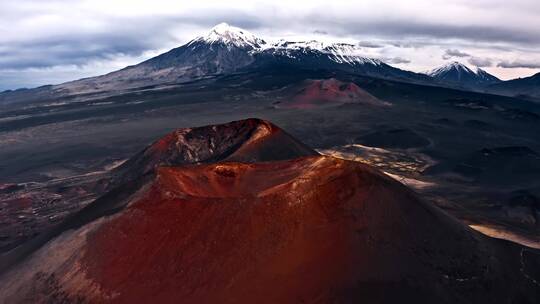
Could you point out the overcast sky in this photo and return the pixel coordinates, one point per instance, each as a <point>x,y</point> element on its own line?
<point>47,42</point>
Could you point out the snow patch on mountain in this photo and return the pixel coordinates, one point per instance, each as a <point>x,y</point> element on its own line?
<point>344,53</point>
<point>231,35</point>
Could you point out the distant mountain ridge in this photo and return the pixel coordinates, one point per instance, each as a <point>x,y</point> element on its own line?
<point>521,87</point>
<point>226,49</point>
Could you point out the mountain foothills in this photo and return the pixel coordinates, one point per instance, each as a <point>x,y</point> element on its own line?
<point>245,213</point>
<point>522,87</point>
<point>227,49</point>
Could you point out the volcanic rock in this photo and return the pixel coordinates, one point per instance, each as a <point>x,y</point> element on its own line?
<point>314,230</point>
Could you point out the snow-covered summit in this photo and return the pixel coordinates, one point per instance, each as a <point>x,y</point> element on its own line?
<point>458,73</point>
<point>343,53</point>
<point>228,49</point>
<point>455,66</point>
<point>231,35</point>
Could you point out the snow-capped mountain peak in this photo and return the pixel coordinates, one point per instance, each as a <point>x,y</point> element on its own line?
<point>228,49</point>
<point>231,35</point>
<point>340,53</point>
<point>451,67</point>
<point>458,73</point>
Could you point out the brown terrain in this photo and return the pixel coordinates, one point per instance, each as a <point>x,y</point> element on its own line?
<point>328,92</point>
<point>243,213</point>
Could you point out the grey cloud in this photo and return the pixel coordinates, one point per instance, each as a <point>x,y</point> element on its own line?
<point>454,53</point>
<point>480,62</point>
<point>410,29</point>
<point>79,49</point>
<point>407,45</point>
<point>71,51</point>
<point>73,48</point>
<point>396,60</point>
<point>371,45</point>
<point>320,32</point>
<point>519,64</point>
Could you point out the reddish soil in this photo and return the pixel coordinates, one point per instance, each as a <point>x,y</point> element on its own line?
<point>46,206</point>
<point>311,230</point>
<point>315,93</point>
<point>234,214</point>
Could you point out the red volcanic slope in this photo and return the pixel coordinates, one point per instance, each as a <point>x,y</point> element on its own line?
<point>247,140</point>
<point>310,230</point>
<point>315,93</point>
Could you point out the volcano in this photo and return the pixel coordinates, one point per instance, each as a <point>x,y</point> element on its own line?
<point>328,92</point>
<point>276,229</point>
<point>223,50</point>
<point>249,140</point>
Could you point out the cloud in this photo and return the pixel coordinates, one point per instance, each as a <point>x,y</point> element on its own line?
<point>71,51</point>
<point>454,53</point>
<point>519,64</point>
<point>321,32</point>
<point>371,45</point>
<point>99,37</point>
<point>480,62</point>
<point>402,28</point>
<point>69,48</point>
<point>397,60</point>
